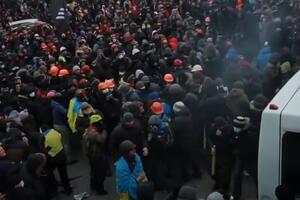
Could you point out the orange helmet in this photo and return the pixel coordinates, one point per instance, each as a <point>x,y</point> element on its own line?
<point>54,71</point>
<point>168,78</point>
<point>110,83</point>
<point>157,108</point>
<point>102,86</point>
<point>63,72</point>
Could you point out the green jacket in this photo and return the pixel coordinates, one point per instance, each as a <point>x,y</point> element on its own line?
<point>93,142</point>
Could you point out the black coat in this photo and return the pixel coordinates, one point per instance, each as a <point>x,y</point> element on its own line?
<point>184,134</point>
<point>33,182</point>
<point>245,144</point>
<point>41,109</point>
<point>222,142</point>
<point>135,134</point>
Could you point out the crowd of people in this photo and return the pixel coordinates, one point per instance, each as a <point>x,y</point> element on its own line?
<point>148,90</point>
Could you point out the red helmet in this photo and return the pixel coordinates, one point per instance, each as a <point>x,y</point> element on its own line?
<point>157,108</point>
<point>86,69</point>
<point>83,82</point>
<point>168,78</point>
<point>177,62</point>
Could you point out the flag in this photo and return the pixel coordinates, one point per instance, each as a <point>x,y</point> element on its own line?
<point>59,15</point>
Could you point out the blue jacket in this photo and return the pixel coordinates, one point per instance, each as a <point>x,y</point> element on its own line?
<point>263,58</point>
<point>59,113</point>
<point>232,55</point>
<point>126,180</point>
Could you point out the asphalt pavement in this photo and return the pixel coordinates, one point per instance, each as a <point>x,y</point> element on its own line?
<point>79,173</point>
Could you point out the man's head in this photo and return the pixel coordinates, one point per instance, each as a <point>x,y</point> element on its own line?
<point>197,73</point>
<point>86,108</point>
<point>127,149</point>
<point>128,119</point>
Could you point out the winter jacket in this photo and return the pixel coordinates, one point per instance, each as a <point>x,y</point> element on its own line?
<point>232,55</point>
<point>59,113</point>
<point>271,80</point>
<point>245,144</point>
<point>121,133</point>
<point>222,139</point>
<point>127,179</point>
<point>184,134</point>
<point>263,58</point>
<point>40,108</point>
<point>93,142</point>
<point>33,182</point>
<point>205,90</point>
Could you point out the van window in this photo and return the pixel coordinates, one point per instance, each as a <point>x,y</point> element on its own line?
<point>291,161</point>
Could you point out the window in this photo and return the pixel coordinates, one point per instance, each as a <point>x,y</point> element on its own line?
<point>291,161</point>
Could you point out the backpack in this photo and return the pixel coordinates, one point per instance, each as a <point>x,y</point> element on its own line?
<point>161,129</point>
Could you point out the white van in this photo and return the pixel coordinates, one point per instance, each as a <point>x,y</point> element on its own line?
<point>279,145</point>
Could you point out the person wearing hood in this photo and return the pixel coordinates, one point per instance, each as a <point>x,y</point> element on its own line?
<point>59,113</point>
<point>234,104</point>
<point>83,118</point>
<point>40,108</point>
<point>180,72</point>
<point>201,85</point>
<point>128,129</point>
<point>263,57</point>
<point>221,138</point>
<point>245,148</point>
<point>160,139</point>
<point>237,101</point>
<point>74,108</point>
<point>231,55</point>
<point>271,79</point>
<point>129,171</point>
<point>31,173</point>
<point>184,165</point>
<point>94,140</point>
<point>110,103</point>
<point>56,159</point>
<point>285,72</point>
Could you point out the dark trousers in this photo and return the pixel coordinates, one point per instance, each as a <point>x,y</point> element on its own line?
<point>156,168</point>
<point>240,166</point>
<point>98,166</point>
<point>58,162</point>
<point>224,166</point>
